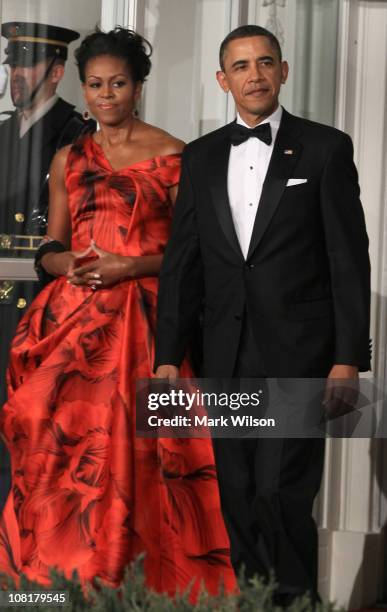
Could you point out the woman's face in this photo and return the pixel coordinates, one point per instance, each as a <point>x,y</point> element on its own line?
<point>109,90</point>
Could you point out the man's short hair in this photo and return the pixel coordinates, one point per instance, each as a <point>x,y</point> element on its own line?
<point>246,31</point>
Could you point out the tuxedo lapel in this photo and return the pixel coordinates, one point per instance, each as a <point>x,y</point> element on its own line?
<point>286,152</point>
<point>219,157</point>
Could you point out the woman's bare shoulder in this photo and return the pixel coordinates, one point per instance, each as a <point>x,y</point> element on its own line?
<point>163,142</point>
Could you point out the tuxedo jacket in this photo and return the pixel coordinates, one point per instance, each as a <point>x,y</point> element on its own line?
<point>305,284</point>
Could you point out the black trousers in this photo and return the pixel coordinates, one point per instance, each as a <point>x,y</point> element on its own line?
<point>267,489</point>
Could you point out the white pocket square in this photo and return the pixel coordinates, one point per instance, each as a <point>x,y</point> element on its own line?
<point>292,182</point>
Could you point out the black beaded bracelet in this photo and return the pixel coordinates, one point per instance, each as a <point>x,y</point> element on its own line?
<point>47,246</point>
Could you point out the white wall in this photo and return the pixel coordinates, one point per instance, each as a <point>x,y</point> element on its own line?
<point>182,95</point>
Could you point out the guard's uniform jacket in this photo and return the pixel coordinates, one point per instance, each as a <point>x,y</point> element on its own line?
<point>24,172</point>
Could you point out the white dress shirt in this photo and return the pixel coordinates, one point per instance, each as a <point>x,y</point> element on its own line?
<point>247,169</point>
<point>26,123</point>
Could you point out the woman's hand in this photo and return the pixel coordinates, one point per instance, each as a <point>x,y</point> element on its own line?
<point>102,269</point>
<point>63,264</point>
<point>58,264</point>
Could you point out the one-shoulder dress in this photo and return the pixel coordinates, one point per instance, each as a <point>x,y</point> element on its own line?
<point>87,494</point>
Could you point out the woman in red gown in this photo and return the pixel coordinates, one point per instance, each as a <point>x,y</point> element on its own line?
<point>87,494</point>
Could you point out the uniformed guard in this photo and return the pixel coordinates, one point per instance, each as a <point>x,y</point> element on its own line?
<point>40,124</point>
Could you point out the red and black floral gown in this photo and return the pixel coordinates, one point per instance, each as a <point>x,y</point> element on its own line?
<point>86,492</point>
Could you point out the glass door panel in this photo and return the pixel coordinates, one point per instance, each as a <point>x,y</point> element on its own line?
<point>36,119</point>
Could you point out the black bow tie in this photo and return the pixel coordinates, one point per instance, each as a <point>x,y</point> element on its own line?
<point>240,133</point>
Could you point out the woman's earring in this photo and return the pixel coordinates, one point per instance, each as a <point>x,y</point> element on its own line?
<point>135,112</point>
<point>86,115</point>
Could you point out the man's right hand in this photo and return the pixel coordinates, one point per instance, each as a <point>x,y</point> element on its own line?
<point>170,372</point>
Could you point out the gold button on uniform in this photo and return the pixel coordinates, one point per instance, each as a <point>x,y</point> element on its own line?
<point>19,217</point>
<point>21,303</point>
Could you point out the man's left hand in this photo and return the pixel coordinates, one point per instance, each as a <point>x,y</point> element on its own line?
<point>341,391</point>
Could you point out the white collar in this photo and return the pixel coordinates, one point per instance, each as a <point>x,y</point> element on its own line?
<point>274,119</point>
<point>26,123</point>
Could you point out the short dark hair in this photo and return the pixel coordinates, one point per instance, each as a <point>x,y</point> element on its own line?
<point>246,31</point>
<point>120,42</point>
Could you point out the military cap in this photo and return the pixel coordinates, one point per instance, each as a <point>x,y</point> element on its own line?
<point>30,43</point>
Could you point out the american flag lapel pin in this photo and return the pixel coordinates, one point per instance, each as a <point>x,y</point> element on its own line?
<point>288,151</point>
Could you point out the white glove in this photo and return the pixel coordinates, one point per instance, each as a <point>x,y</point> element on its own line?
<point>3,80</point>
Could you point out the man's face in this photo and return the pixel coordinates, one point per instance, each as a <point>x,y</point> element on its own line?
<point>24,81</point>
<point>253,73</point>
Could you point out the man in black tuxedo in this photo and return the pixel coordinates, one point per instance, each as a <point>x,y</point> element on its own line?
<point>269,235</point>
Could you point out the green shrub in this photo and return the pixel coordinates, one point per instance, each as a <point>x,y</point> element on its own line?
<point>132,595</point>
